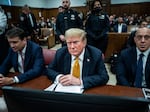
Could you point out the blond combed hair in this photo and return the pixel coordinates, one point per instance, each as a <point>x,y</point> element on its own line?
<point>72,32</point>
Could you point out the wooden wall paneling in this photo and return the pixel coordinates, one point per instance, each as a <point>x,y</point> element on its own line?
<point>118,9</point>
<point>139,8</point>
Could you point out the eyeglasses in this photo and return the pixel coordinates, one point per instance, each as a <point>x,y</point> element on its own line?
<point>146,37</point>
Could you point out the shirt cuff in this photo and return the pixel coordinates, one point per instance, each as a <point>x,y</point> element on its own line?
<point>16,80</point>
<point>82,86</point>
<point>57,78</point>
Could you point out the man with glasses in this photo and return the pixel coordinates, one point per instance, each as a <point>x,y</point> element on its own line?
<point>133,68</point>
<point>91,69</point>
<point>67,19</point>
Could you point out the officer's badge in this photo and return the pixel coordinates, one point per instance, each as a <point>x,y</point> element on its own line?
<point>22,18</point>
<point>72,17</point>
<point>101,17</point>
<point>65,18</point>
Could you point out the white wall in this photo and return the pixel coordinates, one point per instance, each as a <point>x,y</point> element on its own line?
<point>56,3</point>
<point>42,3</point>
<point>127,1</point>
<point>4,2</point>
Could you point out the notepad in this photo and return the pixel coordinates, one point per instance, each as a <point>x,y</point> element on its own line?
<point>68,89</point>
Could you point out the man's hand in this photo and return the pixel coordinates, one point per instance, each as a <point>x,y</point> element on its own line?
<point>62,37</point>
<point>68,79</point>
<point>6,80</point>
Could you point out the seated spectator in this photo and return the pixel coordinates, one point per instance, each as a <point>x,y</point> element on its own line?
<point>133,68</point>
<point>24,56</point>
<point>120,26</point>
<point>91,70</point>
<point>130,41</point>
<point>112,23</point>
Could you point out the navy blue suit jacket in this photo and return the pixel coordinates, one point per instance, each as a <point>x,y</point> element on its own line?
<point>124,28</point>
<point>33,64</point>
<point>93,73</point>
<point>126,68</point>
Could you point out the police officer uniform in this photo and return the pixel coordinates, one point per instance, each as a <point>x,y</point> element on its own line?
<point>97,27</point>
<point>67,19</point>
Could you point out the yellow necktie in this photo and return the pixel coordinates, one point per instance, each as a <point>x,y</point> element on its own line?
<point>76,68</point>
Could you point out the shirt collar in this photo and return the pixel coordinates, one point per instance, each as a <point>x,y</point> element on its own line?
<point>146,53</point>
<point>24,49</point>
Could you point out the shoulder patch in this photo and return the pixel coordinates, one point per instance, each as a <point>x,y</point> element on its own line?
<point>22,18</point>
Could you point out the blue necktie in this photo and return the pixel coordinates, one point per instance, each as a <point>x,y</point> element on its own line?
<point>139,72</point>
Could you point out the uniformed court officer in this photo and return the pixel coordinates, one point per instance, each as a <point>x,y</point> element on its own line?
<point>67,19</point>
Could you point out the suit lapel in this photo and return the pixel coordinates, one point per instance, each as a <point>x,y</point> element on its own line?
<point>28,55</point>
<point>134,60</point>
<point>15,61</point>
<point>86,63</point>
<point>147,68</point>
<point>67,63</point>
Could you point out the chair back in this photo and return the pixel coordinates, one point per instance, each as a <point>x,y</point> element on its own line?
<point>49,55</point>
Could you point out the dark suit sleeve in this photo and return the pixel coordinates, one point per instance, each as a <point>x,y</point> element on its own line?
<point>34,21</point>
<point>94,71</point>
<point>58,22</point>
<point>60,64</point>
<point>7,63</point>
<point>115,28</point>
<point>35,64</point>
<point>124,28</point>
<point>121,71</point>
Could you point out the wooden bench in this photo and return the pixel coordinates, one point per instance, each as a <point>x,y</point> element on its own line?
<point>116,42</point>
<point>47,37</point>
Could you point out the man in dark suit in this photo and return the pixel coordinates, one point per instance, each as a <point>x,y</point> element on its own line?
<point>27,22</point>
<point>128,69</point>
<point>130,41</point>
<point>4,46</point>
<point>24,56</point>
<point>91,65</point>
<point>120,27</point>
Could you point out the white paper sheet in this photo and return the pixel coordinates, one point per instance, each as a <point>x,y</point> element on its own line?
<point>68,89</point>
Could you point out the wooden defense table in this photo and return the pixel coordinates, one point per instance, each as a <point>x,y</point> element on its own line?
<point>43,82</point>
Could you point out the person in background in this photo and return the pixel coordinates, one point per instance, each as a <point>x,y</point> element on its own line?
<point>60,9</point>
<point>97,27</point>
<point>133,68</point>
<point>112,22</point>
<point>130,41</point>
<point>67,19</point>
<point>120,27</point>
<point>27,22</point>
<point>24,56</point>
<point>4,46</point>
<point>91,70</point>
<point>53,21</point>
